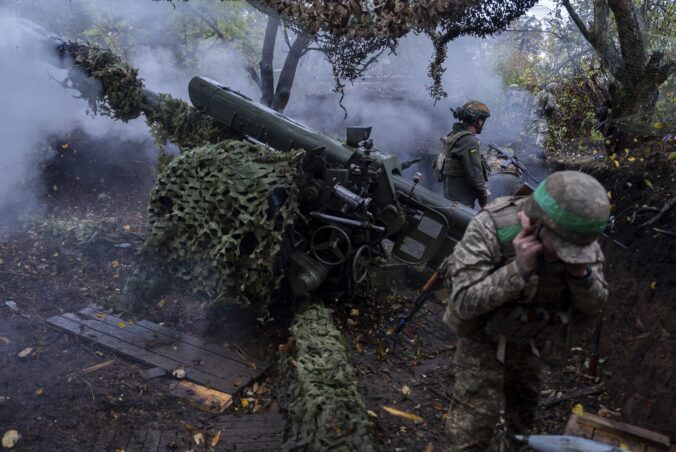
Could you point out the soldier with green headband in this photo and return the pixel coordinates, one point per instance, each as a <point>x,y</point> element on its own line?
<point>527,280</point>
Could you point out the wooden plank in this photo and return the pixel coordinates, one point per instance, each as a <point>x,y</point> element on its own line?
<point>136,441</point>
<point>599,421</point>
<point>166,336</point>
<point>182,352</point>
<point>152,442</point>
<point>168,441</point>
<point>146,356</point>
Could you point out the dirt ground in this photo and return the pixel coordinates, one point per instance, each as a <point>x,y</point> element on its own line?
<point>54,406</point>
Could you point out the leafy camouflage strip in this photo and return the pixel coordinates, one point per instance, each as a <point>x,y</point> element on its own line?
<point>326,410</point>
<point>176,121</point>
<point>121,96</point>
<point>218,217</point>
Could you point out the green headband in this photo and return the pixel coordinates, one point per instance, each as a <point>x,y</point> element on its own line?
<point>566,219</point>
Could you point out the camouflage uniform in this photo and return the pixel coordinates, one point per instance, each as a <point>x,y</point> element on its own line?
<point>544,106</point>
<point>461,168</point>
<point>507,322</point>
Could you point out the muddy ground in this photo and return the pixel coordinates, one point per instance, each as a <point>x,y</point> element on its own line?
<point>44,396</point>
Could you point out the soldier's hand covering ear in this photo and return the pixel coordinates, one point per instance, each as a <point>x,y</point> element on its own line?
<point>526,245</point>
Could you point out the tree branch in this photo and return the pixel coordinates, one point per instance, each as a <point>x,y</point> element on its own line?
<point>288,74</point>
<point>267,76</point>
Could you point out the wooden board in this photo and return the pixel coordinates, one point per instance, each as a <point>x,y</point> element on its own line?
<point>615,433</point>
<point>207,364</point>
<point>254,432</point>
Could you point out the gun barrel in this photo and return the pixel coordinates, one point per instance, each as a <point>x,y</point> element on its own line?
<point>256,121</point>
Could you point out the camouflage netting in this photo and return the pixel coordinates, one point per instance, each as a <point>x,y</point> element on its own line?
<point>218,217</point>
<point>120,95</point>
<point>321,394</point>
<point>176,121</point>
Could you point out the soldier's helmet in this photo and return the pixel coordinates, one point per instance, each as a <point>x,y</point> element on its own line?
<point>552,87</point>
<point>472,111</point>
<point>575,207</point>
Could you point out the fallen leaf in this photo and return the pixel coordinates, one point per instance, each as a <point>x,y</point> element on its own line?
<point>354,312</point>
<point>100,316</point>
<point>198,438</point>
<point>244,403</point>
<point>371,413</point>
<point>672,156</point>
<point>648,183</point>
<point>161,303</point>
<point>179,373</point>
<point>25,352</point>
<point>39,391</point>
<point>610,195</point>
<point>115,264</point>
<point>189,428</point>
<point>631,159</point>
<point>578,409</point>
<point>617,164</point>
<point>10,438</point>
<point>126,227</point>
<point>216,439</point>
<point>405,390</point>
<point>65,146</point>
<point>438,406</point>
<point>121,324</point>
<point>404,414</point>
<point>653,285</point>
<point>4,339</point>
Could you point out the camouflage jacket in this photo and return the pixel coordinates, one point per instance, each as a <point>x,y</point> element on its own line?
<point>461,167</point>
<point>544,105</point>
<point>485,277</point>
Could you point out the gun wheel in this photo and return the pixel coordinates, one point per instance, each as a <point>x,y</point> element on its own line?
<point>330,245</point>
<point>360,264</point>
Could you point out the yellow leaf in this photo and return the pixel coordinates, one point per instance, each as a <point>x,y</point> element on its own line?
<point>100,316</point>
<point>114,264</point>
<point>617,164</point>
<point>648,183</point>
<point>404,414</point>
<point>121,324</point>
<point>161,303</point>
<point>672,156</point>
<point>371,413</point>
<point>216,439</point>
<point>610,195</point>
<point>126,227</point>
<point>578,409</point>
<point>657,125</point>
<point>65,146</point>
<point>653,285</point>
<point>10,438</point>
<point>244,403</point>
<point>631,159</point>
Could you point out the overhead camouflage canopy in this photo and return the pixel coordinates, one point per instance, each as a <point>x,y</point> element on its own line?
<point>359,24</point>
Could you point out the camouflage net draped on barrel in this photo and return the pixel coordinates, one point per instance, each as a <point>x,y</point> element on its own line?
<point>120,95</point>
<point>321,394</point>
<point>218,218</point>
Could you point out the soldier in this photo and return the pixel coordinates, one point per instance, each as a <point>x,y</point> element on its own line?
<point>460,165</point>
<point>526,277</point>
<point>544,107</point>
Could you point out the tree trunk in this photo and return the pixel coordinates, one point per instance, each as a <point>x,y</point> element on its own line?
<point>267,79</point>
<point>286,78</point>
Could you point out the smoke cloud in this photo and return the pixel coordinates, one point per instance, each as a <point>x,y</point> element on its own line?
<point>392,97</point>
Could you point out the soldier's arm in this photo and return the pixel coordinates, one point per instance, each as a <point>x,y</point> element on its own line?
<point>478,286</point>
<point>588,294</point>
<point>471,161</point>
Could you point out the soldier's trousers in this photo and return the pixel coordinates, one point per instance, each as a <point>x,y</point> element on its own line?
<point>482,383</point>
